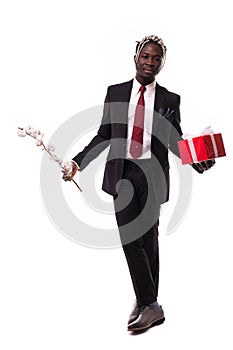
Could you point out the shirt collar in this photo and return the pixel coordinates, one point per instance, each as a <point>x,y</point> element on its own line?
<point>150,88</point>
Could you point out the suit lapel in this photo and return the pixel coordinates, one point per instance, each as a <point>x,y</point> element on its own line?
<point>122,108</point>
<point>159,98</point>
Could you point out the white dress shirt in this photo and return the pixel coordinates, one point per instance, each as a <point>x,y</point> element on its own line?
<point>149,98</point>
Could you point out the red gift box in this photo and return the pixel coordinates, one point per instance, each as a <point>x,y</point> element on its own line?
<point>204,147</point>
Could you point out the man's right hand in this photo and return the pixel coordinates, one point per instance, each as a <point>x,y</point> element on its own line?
<point>69,174</point>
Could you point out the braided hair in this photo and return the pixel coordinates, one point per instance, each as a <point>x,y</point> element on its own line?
<point>151,39</point>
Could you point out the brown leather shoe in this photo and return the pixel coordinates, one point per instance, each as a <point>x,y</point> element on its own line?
<point>147,317</point>
<point>135,313</point>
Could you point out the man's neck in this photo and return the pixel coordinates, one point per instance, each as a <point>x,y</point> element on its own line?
<point>143,81</point>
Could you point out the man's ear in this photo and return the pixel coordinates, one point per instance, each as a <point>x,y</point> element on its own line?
<point>135,61</point>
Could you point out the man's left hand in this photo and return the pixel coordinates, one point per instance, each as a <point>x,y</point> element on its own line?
<point>203,166</point>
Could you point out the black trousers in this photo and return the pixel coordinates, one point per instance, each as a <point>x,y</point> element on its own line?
<point>137,215</point>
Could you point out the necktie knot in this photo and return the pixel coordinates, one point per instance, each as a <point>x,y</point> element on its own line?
<point>142,89</point>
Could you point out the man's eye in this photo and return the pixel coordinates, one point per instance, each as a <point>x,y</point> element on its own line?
<point>144,56</point>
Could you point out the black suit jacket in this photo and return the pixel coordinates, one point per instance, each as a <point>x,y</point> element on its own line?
<point>113,131</point>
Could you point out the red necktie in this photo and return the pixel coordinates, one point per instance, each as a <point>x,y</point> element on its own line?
<point>137,135</point>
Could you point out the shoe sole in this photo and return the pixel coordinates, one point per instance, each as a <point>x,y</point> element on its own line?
<point>154,323</point>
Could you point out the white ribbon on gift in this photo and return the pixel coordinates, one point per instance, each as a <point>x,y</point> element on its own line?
<point>206,131</point>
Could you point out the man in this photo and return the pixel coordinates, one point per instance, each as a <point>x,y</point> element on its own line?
<point>141,121</point>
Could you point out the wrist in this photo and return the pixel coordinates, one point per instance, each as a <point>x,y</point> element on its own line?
<point>74,165</point>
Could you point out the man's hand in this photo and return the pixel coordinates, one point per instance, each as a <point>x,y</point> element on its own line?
<point>69,174</point>
<point>203,166</point>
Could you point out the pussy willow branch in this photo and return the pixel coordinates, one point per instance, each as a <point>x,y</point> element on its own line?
<point>51,155</point>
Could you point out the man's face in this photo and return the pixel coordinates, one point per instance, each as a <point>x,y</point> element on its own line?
<point>148,63</point>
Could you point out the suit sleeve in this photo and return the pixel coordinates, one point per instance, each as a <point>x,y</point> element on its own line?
<point>100,141</point>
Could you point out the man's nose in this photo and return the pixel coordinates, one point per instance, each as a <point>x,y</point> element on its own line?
<point>150,61</point>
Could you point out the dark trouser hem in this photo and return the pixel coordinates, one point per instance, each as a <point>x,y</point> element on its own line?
<point>146,302</point>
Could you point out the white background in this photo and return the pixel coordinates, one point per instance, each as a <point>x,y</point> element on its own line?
<point>57,58</point>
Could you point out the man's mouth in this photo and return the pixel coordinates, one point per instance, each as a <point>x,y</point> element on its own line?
<point>148,70</point>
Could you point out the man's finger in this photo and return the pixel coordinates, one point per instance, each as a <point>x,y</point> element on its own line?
<point>203,165</point>
<point>210,163</point>
<point>66,178</point>
<point>198,167</point>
